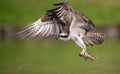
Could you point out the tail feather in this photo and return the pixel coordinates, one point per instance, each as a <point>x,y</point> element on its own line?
<point>92,39</point>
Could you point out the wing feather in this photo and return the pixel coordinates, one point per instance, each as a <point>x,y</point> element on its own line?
<point>67,12</point>
<point>46,31</point>
<point>39,28</point>
<point>49,31</point>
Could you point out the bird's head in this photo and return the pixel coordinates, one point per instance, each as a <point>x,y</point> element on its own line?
<point>62,36</point>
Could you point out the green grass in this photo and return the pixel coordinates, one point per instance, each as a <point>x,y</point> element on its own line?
<point>57,57</point>
<point>21,12</point>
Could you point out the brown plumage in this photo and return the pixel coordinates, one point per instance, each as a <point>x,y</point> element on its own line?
<point>94,39</point>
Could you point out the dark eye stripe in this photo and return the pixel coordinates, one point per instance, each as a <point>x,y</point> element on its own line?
<point>64,36</point>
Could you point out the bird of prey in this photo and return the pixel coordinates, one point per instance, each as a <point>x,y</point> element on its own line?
<point>65,23</point>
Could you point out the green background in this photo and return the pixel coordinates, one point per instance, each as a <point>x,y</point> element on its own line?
<point>50,56</point>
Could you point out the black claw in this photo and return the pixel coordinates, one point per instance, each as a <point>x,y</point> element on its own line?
<point>80,55</point>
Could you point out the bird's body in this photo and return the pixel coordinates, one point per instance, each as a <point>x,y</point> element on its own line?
<point>66,24</point>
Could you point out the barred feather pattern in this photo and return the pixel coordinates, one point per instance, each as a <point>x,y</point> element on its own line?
<point>92,39</point>
<point>39,29</point>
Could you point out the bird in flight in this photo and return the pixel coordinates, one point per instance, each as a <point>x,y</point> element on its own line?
<point>65,23</point>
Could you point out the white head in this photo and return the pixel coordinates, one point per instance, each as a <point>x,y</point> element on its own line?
<point>63,36</point>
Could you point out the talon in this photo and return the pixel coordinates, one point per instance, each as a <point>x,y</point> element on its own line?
<point>85,55</point>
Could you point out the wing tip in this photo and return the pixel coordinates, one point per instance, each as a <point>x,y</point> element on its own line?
<point>62,3</point>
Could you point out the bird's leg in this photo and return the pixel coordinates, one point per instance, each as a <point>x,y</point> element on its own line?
<point>84,54</point>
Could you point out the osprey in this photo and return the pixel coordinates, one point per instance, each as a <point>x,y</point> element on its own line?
<point>65,23</point>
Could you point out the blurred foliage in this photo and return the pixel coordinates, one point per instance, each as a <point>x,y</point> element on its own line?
<point>21,12</point>
<point>57,57</point>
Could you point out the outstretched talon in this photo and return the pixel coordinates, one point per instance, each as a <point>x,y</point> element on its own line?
<point>86,56</point>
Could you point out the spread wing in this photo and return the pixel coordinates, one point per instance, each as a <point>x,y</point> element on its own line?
<point>67,13</point>
<point>43,27</point>
<point>51,24</point>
